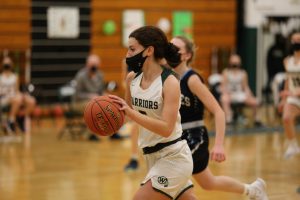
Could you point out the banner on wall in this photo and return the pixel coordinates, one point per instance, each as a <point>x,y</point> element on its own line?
<point>63,22</point>
<point>132,19</point>
<point>183,24</point>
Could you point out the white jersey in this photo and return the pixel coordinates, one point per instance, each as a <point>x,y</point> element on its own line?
<point>293,73</point>
<point>235,85</point>
<point>235,81</point>
<point>8,85</point>
<point>150,102</point>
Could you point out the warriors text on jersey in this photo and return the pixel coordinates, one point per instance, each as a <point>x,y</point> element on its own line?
<point>150,102</point>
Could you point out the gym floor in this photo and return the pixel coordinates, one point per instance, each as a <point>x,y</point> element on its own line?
<point>42,167</point>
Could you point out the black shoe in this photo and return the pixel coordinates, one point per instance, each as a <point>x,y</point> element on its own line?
<point>11,126</point>
<point>133,165</point>
<point>258,124</point>
<point>93,138</point>
<point>21,123</point>
<point>116,136</point>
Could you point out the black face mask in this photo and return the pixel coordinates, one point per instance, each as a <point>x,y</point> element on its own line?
<point>296,46</point>
<point>136,62</point>
<point>6,67</point>
<point>93,69</point>
<point>234,66</point>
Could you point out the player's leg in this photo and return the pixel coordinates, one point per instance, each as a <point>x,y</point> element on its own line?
<point>133,162</point>
<point>147,192</point>
<point>255,190</point>
<point>290,112</point>
<point>188,194</point>
<point>222,183</point>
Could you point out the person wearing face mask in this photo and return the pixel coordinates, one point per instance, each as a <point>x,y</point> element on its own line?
<point>89,80</point>
<point>291,97</point>
<point>12,98</point>
<point>152,100</point>
<point>89,83</point>
<point>235,89</point>
<point>195,97</point>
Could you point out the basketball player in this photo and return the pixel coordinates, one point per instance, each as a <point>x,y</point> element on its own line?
<point>194,96</point>
<point>153,101</point>
<point>291,96</point>
<point>235,89</point>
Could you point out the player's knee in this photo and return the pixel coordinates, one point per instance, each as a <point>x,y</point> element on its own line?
<point>287,119</point>
<point>207,185</point>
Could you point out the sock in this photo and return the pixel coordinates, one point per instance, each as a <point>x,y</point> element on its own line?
<point>246,190</point>
<point>134,157</point>
<point>293,142</point>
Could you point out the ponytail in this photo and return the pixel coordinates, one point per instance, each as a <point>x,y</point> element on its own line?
<point>172,55</point>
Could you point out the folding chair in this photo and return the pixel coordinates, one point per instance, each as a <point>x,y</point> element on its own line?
<point>74,124</point>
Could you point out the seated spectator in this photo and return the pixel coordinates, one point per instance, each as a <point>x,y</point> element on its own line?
<point>291,97</point>
<point>235,89</point>
<point>20,105</point>
<point>89,84</point>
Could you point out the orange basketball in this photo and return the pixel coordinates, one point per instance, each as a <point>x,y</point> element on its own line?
<point>102,116</point>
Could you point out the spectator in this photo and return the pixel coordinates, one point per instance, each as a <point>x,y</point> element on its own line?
<point>13,99</point>
<point>235,89</point>
<point>291,96</point>
<point>275,58</point>
<point>89,84</point>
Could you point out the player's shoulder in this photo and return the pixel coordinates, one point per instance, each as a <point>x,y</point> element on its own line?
<point>130,76</point>
<point>168,74</point>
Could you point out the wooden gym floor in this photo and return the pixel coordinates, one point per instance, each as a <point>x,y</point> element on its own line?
<point>45,168</point>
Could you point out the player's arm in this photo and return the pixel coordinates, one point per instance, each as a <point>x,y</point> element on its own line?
<point>198,88</point>
<point>130,76</point>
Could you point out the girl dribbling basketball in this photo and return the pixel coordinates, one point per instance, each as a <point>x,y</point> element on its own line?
<point>153,101</point>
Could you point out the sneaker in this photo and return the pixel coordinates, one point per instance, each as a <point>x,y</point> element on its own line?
<point>116,136</point>
<point>132,165</point>
<point>292,150</point>
<point>93,138</point>
<point>258,124</point>
<point>11,126</point>
<point>21,123</point>
<point>257,190</point>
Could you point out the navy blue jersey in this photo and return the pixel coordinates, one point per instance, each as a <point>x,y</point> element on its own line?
<point>192,109</point>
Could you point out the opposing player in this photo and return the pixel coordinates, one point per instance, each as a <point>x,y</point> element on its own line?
<point>194,96</point>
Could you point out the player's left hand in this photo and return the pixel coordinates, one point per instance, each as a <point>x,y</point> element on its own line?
<point>122,102</point>
<point>218,153</point>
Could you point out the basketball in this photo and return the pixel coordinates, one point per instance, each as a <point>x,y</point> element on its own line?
<point>102,116</point>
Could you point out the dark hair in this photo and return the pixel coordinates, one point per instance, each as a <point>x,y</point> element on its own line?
<point>189,47</point>
<point>155,37</point>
